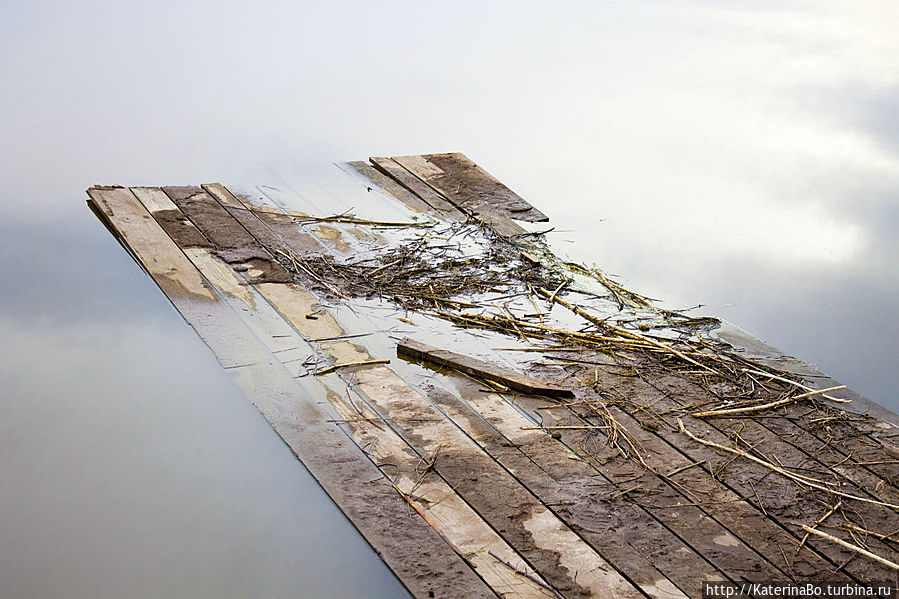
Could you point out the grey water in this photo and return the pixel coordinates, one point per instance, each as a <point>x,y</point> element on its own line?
<point>745,158</point>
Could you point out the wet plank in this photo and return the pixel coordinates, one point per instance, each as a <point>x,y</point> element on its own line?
<point>161,258</point>
<point>717,522</point>
<point>823,454</point>
<point>469,187</point>
<point>659,561</point>
<point>552,548</point>
<point>407,180</point>
<point>748,480</point>
<point>341,468</point>
<point>475,367</point>
<point>495,217</point>
<point>688,527</point>
<point>231,241</point>
<point>377,179</point>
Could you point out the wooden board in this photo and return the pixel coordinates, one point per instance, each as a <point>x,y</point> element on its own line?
<point>377,179</point>
<point>161,258</point>
<point>416,186</point>
<point>416,173</point>
<point>468,186</point>
<point>475,367</point>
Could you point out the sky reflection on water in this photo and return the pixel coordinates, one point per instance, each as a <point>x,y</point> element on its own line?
<point>705,152</point>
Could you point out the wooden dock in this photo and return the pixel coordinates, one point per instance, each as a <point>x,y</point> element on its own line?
<point>497,421</point>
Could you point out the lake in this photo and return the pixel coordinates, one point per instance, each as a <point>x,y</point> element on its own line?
<point>705,153</point>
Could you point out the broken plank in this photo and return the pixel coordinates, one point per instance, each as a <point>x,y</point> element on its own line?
<point>475,367</point>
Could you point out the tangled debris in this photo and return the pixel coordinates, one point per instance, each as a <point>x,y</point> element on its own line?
<point>466,274</point>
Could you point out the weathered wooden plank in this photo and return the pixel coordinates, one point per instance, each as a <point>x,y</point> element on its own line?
<point>417,186</point>
<point>791,446</point>
<point>690,500</point>
<point>430,568</point>
<point>563,558</point>
<point>165,262</point>
<point>232,242</point>
<point>392,188</point>
<point>643,549</point>
<point>749,480</point>
<point>823,454</point>
<point>495,218</point>
<point>474,367</point>
<point>170,218</point>
<point>469,187</point>
<point>355,194</point>
<point>710,539</point>
<point>441,505</point>
<point>288,230</point>
<point>328,235</point>
<point>470,183</point>
<point>845,441</point>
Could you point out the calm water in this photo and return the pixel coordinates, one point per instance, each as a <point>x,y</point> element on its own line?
<point>706,153</point>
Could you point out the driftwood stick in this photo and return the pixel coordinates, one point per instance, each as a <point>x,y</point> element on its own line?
<point>361,363</point>
<point>626,333</point>
<point>525,573</point>
<point>819,522</point>
<point>552,296</point>
<point>855,548</point>
<point>552,428</point>
<point>336,218</point>
<point>766,406</point>
<point>865,531</point>
<point>798,478</point>
<point>792,382</point>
